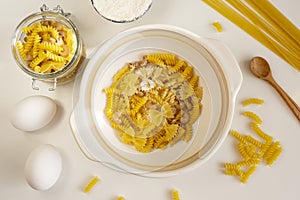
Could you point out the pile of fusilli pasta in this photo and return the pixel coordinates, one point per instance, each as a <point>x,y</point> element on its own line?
<point>47,47</point>
<point>154,102</point>
<point>253,150</point>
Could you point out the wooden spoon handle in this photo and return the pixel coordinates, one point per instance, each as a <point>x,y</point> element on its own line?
<point>290,102</point>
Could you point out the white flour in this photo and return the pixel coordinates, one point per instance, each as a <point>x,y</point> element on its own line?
<point>122,10</point>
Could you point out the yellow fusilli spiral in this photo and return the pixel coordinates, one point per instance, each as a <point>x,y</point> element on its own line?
<point>253,101</point>
<point>248,162</point>
<point>254,141</point>
<point>238,136</point>
<point>39,59</point>
<point>51,47</point>
<point>21,50</point>
<point>49,29</point>
<point>179,65</point>
<point>188,72</point>
<point>253,116</point>
<point>194,81</point>
<point>29,42</point>
<point>155,59</point>
<point>260,133</point>
<point>162,58</point>
<point>54,57</point>
<point>272,153</point>
<point>248,173</point>
<point>29,29</point>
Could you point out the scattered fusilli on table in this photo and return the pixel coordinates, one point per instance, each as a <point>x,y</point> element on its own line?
<point>253,150</point>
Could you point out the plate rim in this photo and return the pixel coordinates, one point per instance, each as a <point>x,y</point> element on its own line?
<point>232,96</point>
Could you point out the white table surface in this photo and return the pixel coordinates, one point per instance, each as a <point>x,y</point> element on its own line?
<point>280,181</point>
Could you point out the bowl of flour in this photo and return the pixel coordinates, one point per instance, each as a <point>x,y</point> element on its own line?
<point>121,11</point>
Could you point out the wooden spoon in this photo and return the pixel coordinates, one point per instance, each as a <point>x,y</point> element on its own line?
<point>261,69</point>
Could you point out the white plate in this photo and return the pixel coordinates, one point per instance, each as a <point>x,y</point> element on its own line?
<point>220,84</point>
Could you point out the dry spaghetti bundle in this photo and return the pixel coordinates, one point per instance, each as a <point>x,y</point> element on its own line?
<point>265,23</point>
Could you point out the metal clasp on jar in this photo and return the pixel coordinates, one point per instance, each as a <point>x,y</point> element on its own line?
<point>56,9</point>
<point>53,88</point>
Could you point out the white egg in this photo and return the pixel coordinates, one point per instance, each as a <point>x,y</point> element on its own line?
<point>43,167</point>
<point>33,113</point>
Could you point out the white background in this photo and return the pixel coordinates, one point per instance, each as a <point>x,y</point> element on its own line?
<point>280,181</point>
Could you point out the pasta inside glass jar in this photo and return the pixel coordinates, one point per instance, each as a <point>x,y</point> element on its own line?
<point>47,46</point>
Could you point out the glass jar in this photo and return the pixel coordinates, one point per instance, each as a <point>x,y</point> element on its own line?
<point>47,46</point>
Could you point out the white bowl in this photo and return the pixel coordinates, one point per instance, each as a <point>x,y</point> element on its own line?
<point>124,13</point>
<point>220,77</point>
